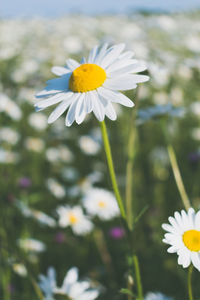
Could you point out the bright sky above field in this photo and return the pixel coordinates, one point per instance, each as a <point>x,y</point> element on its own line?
<point>50,8</point>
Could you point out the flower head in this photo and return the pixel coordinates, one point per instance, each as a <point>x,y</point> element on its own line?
<point>156,296</point>
<point>183,236</point>
<point>74,217</point>
<point>117,232</point>
<point>92,85</point>
<point>101,203</point>
<point>71,287</point>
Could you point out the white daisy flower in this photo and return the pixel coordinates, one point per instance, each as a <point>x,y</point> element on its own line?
<point>101,203</point>
<point>92,85</point>
<point>156,296</point>
<point>74,217</point>
<point>71,287</point>
<point>183,236</point>
<point>31,245</point>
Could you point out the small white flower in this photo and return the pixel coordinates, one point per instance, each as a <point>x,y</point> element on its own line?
<point>92,85</point>
<point>36,214</point>
<point>88,145</point>
<point>10,107</point>
<point>74,217</point>
<point>183,236</point>
<point>9,135</point>
<point>71,287</point>
<point>38,121</point>
<point>48,283</point>
<point>156,296</point>
<point>59,154</point>
<point>8,157</point>
<point>56,188</point>
<point>20,269</point>
<point>31,245</point>
<point>34,144</point>
<point>101,203</point>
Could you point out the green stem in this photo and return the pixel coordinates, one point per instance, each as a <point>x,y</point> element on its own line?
<point>190,282</point>
<point>176,170</point>
<point>129,167</point>
<point>111,169</point>
<point>120,204</point>
<point>138,277</point>
<point>178,177</point>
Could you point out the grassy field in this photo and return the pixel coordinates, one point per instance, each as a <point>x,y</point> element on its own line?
<point>45,166</point>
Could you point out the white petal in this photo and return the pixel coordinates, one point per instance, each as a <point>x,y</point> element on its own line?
<point>127,55</point>
<point>111,55</point>
<point>120,83</point>
<point>92,55</point>
<point>59,110</point>
<point>88,102</point>
<point>51,100</point>
<point>71,277</point>
<point>60,70</point>
<point>115,96</point>
<point>83,60</point>
<point>98,108</point>
<point>72,110</point>
<point>80,112</point>
<point>55,85</point>
<point>131,68</point>
<point>172,249</point>
<point>119,64</point>
<point>197,220</point>
<point>72,64</point>
<point>100,54</point>
<point>195,260</point>
<point>110,112</point>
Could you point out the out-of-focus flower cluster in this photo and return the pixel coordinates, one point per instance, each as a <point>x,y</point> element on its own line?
<point>55,183</point>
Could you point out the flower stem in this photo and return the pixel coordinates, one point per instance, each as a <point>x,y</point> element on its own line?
<point>129,167</point>
<point>178,177</point>
<point>176,171</point>
<point>111,169</point>
<point>190,282</point>
<point>138,277</point>
<point>121,205</point>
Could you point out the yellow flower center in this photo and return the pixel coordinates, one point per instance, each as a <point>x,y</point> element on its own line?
<point>73,219</point>
<point>86,78</point>
<point>191,239</point>
<point>101,204</point>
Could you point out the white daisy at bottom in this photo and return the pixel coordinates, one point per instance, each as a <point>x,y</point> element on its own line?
<point>101,203</point>
<point>74,217</point>
<point>92,85</point>
<point>183,236</point>
<point>156,296</point>
<point>71,287</point>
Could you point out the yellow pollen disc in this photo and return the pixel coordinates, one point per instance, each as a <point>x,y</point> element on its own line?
<point>191,239</point>
<point>101,204</point>
<point>86,78</point>
<point>73,219</point>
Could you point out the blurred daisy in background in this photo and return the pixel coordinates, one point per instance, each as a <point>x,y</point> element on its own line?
<point>89,145</point>
<point>72,288</point>
<point>56,188</point>
<point>183,236</point>
<point>41,217</point>
<point>101,203</point>
<point>31,245</point>
<point>38,121</point>
<point>92,85</point>
<point>74,217</point>
<point>156,296</point>
<point>9,135</point>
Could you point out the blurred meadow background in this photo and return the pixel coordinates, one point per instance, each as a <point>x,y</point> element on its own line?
<point>45,166</point>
